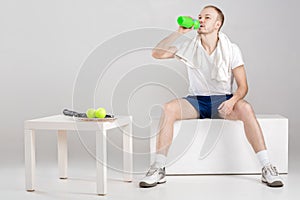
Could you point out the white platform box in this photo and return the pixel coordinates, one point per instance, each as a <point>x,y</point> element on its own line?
<point>217,146</point>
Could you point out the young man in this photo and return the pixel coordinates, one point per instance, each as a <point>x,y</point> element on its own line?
<point>213,64</point>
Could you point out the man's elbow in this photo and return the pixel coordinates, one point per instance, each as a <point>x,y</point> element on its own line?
<point>246,89</point>
<point>162,53</point>
<point>156,54</point>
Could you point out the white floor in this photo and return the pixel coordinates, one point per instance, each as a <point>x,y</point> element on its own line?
<point>81,185</point>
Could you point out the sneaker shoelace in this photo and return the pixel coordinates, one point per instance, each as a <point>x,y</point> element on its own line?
<point>273,171</point>
<point>152,170</point>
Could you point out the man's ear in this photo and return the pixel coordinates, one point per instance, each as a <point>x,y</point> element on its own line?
<point>218,24</point>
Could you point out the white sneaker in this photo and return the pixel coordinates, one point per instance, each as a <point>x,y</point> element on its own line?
<point>271,177</point>
<point>154,176</point>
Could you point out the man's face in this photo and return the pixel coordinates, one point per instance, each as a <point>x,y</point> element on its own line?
<point>208,21</point>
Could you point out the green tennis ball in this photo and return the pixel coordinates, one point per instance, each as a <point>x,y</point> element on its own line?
<point>100,113</point>
<point>90,113</point>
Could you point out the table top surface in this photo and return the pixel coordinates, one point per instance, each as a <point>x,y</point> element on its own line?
<point>63,118</point>
<point>69,123</point>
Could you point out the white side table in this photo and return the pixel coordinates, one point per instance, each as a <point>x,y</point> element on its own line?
<point>63,124</point>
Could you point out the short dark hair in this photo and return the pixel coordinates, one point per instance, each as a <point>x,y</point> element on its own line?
<point>220,14</point>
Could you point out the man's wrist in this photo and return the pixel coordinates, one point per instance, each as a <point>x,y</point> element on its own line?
<point>177,33</point>
<point>235,99</point>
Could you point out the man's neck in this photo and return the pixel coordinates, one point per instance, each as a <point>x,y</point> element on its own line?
<point>209,41</point>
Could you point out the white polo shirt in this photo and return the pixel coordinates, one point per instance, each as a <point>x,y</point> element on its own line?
<point>200,82</point>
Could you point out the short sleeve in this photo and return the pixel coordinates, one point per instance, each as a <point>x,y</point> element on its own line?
<point>237,59</point>
<point>181,47</point>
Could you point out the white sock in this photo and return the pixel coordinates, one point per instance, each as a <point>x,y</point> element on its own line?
<point>160,160</point>
<point>263,158</point>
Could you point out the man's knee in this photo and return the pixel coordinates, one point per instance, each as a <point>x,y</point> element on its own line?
<point>243,109</point>
<point>172,109</point>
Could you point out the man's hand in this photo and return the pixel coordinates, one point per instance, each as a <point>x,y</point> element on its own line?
<point>226,107</point>
<point>183,30</point>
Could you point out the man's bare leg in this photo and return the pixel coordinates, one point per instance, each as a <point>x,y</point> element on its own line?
<point>244,112</point>
<point>177,109</point>
<point>174,110</point>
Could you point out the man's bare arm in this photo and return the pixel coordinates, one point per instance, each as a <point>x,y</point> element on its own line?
<point>164,48</point>
<point>239,74</point>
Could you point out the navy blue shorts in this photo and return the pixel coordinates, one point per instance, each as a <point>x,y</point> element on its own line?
<point>207,106</point>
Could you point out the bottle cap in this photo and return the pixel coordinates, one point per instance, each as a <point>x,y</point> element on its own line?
<point>196,24</point>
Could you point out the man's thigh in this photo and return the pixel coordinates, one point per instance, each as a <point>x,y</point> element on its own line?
<point>184,109</point>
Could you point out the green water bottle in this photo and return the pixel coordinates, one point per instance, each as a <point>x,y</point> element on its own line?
<point>188,22</point>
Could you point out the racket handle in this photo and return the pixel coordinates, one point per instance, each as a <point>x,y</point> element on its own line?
<point>73,113</point>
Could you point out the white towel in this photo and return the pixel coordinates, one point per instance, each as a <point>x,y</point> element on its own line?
<point>192,56</point>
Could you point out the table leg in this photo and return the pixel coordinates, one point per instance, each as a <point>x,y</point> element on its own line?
<point>29,160</point>
<point>62,148</point>
<point>127,152</point>
<point>101,162</point>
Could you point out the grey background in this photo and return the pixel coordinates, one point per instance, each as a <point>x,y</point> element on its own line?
<point>46,45</point>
